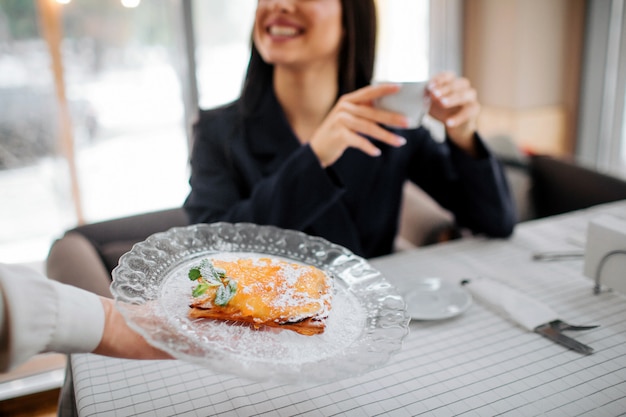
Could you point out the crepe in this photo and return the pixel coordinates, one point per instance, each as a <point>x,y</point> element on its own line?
<point>262,292</point>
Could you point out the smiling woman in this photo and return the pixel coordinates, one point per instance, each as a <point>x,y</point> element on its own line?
<point>304,148</point>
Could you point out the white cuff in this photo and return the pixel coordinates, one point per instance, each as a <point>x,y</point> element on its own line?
<point>80,321</point>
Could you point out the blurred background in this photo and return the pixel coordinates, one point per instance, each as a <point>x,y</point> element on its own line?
<point>97,97</point>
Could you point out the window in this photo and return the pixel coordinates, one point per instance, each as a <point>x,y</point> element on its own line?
<point>403,40</point>
<point>33,186</point>
<point>222,32</point>
<point>127,141</point>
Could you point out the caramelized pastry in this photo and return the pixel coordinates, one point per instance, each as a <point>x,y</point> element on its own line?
<point>262,292</point>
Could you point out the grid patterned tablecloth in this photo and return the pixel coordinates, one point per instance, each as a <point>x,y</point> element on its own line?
<point>475,364</point>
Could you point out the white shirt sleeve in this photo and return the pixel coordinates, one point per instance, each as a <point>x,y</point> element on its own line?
<point>38,314</point>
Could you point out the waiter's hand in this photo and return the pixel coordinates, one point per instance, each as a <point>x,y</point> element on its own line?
<point>120,341</point>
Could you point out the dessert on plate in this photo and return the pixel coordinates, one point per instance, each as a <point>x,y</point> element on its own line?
<point>262,291</point>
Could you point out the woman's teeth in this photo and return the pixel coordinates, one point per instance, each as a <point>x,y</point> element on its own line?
<point>282,31</point>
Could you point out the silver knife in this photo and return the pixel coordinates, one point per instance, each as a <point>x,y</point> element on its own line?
<point>525,311</point>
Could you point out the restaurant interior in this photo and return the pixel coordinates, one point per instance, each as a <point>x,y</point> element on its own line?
<point>97,101</point>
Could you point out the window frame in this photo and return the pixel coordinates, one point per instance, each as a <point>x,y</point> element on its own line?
<point>446,40</point>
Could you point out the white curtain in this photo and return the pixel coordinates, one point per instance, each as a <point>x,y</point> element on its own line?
<point>601,141</point>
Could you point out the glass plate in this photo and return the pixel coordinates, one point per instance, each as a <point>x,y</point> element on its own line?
<point>366,324</point>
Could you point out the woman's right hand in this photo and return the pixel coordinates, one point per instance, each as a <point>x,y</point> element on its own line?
<point>352,117</point>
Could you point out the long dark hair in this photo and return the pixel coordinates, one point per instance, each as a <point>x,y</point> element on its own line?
<point>356,57</point>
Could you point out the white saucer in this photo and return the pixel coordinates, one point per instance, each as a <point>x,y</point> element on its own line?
<point>436,299</point>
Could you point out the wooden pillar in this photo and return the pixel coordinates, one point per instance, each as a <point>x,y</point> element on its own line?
<point>50,23</point>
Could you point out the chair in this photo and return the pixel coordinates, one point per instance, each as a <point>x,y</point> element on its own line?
<point>541,186</point>
<point>422,220</point>
<point>561,185</point>
<point>86,255</point>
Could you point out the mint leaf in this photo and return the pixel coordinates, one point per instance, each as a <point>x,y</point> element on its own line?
<point>200,289</point>
<point>211,274</point>
<point>225,293</point>
<point>194,274</point>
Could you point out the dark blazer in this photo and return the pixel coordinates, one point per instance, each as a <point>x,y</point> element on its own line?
<point>254,169</point>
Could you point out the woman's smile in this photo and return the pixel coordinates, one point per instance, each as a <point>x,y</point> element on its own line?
<point>281,28</point>
<point>298,33</point>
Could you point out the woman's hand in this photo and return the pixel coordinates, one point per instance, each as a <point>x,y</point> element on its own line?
<point>454,103</point>
<point>353,116</point>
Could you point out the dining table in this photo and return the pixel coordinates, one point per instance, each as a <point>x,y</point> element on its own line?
<point>474,363</point>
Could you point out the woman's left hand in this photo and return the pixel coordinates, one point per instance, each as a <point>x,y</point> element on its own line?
<point>454,103</point>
